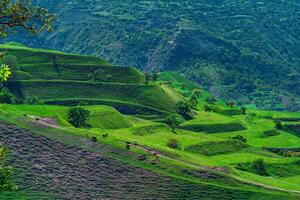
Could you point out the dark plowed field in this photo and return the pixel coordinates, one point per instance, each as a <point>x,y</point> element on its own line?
<point>47,169</point>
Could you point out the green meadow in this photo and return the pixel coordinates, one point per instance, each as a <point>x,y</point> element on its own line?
<point>128,111</point>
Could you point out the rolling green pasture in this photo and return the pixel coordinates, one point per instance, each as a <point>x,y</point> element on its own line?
<point>129,111</point>
<point>196,148</point>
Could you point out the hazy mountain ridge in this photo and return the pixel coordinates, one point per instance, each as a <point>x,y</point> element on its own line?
<point>234,48</point>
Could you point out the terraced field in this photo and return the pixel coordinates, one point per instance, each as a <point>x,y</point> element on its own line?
<point>58,78</point>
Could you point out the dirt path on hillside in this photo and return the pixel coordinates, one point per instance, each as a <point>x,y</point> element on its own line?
<point>48,122</point>
<point>62,171</point>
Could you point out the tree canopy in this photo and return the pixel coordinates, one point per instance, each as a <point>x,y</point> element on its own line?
<point>78,117</point>
<point>22,14</point>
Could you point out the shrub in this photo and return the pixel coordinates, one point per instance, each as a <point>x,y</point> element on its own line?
<point>240,138</point>
<point>278,124</point>
<point>6,96</point>
<point>289,153</point>
<point>208,108</point>
<point>32,100</point>
<point>94,139</point>
<point>194,100</point>
<point>183,109</point>
<point>212,108</point>
<point>259,167</point>
<point>244,110</point>
<point>78,117</point>
<point>216,109</point>
<point>197,93</point>
<point>105,135</point>
<point>173,143</point>
<point>244,167</point>
<point>173,121</point>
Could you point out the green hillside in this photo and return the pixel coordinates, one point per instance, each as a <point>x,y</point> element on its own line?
<point>58,77</point>
<point>149,99</point>
<point>223,162</point>
<point>215,149</point>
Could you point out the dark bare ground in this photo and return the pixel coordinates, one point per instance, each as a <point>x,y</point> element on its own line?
<point>59,171</point>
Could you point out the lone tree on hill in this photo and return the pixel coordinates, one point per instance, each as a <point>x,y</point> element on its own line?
<point>173,143</point>
<point>259,167</point>
<point>78,117</point>
<point>173,121</point>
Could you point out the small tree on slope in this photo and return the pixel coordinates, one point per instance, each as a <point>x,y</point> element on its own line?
<point>78,117</point>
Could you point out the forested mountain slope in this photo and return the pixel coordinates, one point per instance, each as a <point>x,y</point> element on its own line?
<point>234,48</point>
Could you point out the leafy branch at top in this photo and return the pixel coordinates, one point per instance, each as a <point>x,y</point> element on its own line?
<point>21,13</point>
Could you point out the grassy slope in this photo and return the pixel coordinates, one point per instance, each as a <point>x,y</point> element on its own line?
<point>58,76</point>
<point>155,139</point>
<point>101,117</point>
<point>257,122</point>
<point>154,134</point>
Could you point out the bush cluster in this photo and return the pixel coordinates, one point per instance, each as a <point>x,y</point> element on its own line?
<point>173,143</point>
<point>78,117</point>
